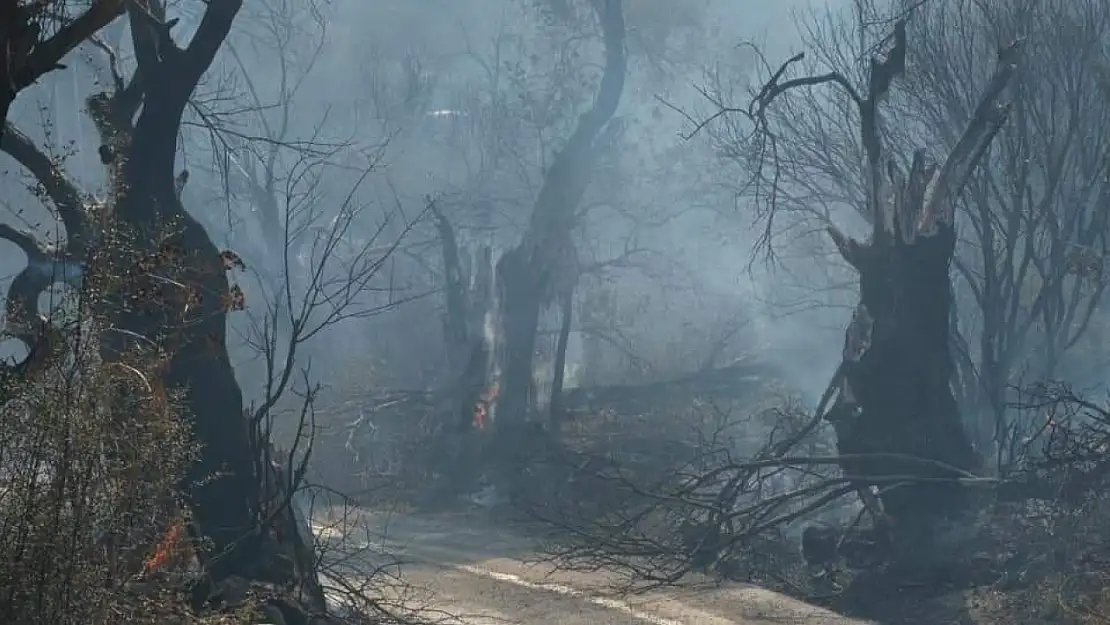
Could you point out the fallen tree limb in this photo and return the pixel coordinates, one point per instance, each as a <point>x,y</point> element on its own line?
<point>738,382</point>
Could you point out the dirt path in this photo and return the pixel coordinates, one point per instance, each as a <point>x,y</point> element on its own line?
<point>483,575</point>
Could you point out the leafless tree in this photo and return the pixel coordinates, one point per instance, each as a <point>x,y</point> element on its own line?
<point>291,194</point>
<point>1028,263</point>
<point>261,157</point>
<point>155,284</point>
<point>893,393</point>
<point>336,289</point>
<point>1032,267</point>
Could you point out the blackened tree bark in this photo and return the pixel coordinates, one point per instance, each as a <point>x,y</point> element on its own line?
<point>177,298</point>
<point>160,283</point>
<point>468,291</point>
<point>525,272</point>
<point>895,415</point>
<point>471,386</point>
<point>895,401</point>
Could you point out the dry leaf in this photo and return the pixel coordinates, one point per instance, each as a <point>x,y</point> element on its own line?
<point>231,260</point>
<point>234,300</point>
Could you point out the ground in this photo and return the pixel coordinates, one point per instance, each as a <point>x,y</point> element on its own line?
<point>462,565</point>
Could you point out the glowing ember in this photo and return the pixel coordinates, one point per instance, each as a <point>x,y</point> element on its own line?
<point>482,406</point>
<point>168,547</point>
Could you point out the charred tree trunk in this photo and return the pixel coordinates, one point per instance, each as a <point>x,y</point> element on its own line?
<point>901,383</point>
<point>160,283</point>
<point>471,387</point>
<point>896,401</point>
<point>456,318</point>
<point>468,303</point>
<point>521,287</point>
<point>525,272</point>
<point>177,295</point>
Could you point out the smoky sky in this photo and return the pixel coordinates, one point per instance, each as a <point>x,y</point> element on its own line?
<point>659,192</point>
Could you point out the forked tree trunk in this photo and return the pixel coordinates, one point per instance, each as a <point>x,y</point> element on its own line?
<point>896,401</point>
<point>525,272</point>
<point>166,292</point>
<point>471,385</point>
<point>175,295</point>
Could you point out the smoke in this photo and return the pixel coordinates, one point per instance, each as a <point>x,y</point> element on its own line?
<point>449,99</point>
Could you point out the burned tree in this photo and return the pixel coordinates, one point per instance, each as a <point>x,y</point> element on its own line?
<point>1029,272</point>
<point>145,122</point>
<point>1029,263</point>
<point>162,287</point>
<point>525,273</point>
<point>468,291</point>
<point>155,291</point>
<point>895,414</point>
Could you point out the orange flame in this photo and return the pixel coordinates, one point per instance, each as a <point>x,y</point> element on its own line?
<point>167,547</point>
<point>481,407</point>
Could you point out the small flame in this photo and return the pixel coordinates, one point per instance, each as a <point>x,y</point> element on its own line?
<point>170,544</point>
<point>485,400</point>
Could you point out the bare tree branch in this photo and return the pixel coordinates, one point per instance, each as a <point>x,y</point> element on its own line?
<point>25,56</point>
<point>68,202</point>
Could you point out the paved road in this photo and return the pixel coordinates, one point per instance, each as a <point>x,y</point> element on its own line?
<point>463,571</point>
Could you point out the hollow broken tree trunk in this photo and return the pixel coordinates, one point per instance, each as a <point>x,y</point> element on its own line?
<point>896,401</point>
<point>524,273</point>
<point>468,292</point>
